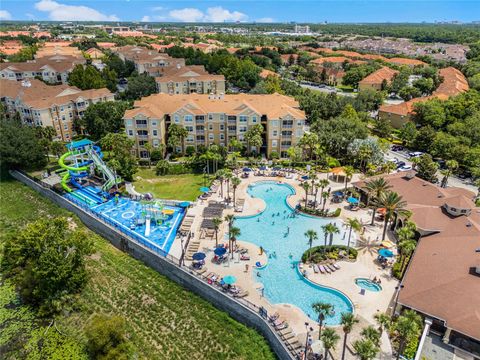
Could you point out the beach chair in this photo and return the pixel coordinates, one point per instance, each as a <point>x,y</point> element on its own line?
<point>331,268</point>
<point>336,266</point>
<point>327,269</point>
<point>315,270</point>
<point>241,294</point>
<point>322,270</point>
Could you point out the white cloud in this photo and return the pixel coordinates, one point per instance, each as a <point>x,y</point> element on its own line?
<point>187,15</point>
<point>158,8</point>
<point>146,18</point>
<point>213,14</point>
<point>265,20</point>
<point>219,14</point>
<point>5,15</point>
<point>59,12</point>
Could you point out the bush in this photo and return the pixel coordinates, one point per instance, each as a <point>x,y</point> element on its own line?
<point>337,212</point>
<point>411,348</point>
<point>190,150</point>
<point>164,167</point>
<point>322,253</point>
<point>397,270</point>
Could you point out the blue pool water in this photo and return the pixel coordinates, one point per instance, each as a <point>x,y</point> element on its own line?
<point>281,280</point>
<point>368,284</point>
<point>125,212</point>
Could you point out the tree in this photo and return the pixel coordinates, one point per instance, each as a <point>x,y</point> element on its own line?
<point>425,138</point>
<point>406,247</point>
<point>120,154</point>
<point>352,224</point>
<point>311,235</point>
<point>86,77</point>
<point>409,92</point>
<point>20,147</point>
<point>57,148</point>
<point>233,234</point>
<point>348,320</point>
<point>407,326</point>
<point>139,85</point>
<point>451,165</point>
<point>330,229</point>
<point>375,188</point>
<point>308,142</point>
<point>107,338</point>
<point>46,261</point>
<point>235,182</point>
<point>382,127</point>
<point>408,132</point>
<point>365,349</point>
<point>216,226</point>
<point>178,133</point>
<point>306,186</point>
<point>349,171</point>
<point>253,137</point>
<point>103,117</point>
<point>330,339</point>
<point>427,168</point>
<point>394,205</point>
<point>162,167</point>
<point>371,334</point>
<point>323,310</point>
<point>384,322</point>
<point>110,78</point>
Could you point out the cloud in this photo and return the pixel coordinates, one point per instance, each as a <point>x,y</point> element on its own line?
<point>265,20</point>
<point>149,18</point>
<point>59,12</point>
<point>158,8</point>
<point>187,15</point>
<point>5,15</point>
<point>212,14</point>
<point>146,18</point>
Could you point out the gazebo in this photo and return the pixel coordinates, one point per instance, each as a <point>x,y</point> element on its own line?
<point>338,171</point>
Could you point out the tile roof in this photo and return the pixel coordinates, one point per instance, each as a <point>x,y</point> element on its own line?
<point>266,73</point>
<point>405,61</point>
<point>59,64</point>
<point>377,77</point>
<point>182,73</point>
<point>438,280</point>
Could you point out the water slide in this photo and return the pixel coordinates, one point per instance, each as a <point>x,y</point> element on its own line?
<point>71,174</point>
<point>96,155</point>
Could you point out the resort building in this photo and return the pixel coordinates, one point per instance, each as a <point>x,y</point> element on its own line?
<point>216,119</point>
<point>189,80</point>
<point>51,49</point>
<point>442,281</point>
<point>146,60</point>
<point>377,79</point>
<point>54,69</point>
<point>46,105</point>
<point>406,62</point>
<point>454,83</point>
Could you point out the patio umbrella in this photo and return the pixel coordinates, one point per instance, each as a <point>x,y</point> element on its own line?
<point>246,169</point>
<point>263,168</point>
<point>204,189</point>
<point>352,200</point>
<point>338,193</point>
<point>305,177</point>
<point>220,251</point>
<point>184,204</point>
<point>229,279</point>
<point>198,256</point>
<point>382,211</point>
<point>385,253</point>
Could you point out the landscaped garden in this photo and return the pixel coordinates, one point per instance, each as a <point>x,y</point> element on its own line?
<point>163,320</point>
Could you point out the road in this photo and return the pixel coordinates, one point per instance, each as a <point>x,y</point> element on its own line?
<point>453,181</point>
<point>327,89</point>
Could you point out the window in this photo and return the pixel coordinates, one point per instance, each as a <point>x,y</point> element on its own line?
<point>222,136</point>
<point>242,129</point>
<point>188,118</point>
<point>154,122</point>
<point>189,128</point>
<point>61,108</point>
<point>222,117</point>
<point>210,117</point>
<point>65,126</point>
<point>274,123</point>
<point>254,119</point>
<point>299,122</point>
<point>190,138</point>
<point>176,119</point>
<point>129,122</point>
<point>274,143</point>
<point>222,127</point>
<point>144,154</point>
<point>130,132</point>
<point>299,132</point>
<point>156,143</point>
<point>275,133</point>
<point>141,123</point>
<point>155,132</point>
<point>211,137</point>
<point>63,117</point>
<point>210,127</point>
<point>243,118</point>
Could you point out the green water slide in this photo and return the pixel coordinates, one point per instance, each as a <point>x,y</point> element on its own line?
<point>66,177</point>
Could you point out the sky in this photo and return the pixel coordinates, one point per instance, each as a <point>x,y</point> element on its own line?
<point>313,11</point>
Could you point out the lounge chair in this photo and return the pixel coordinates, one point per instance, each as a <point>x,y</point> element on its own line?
<point>274,317</point>
<point>285,332</point>
<point>336,266</point>
<point>315,270</point>
<point>288,336</point>
<point>244,257</point>
<point>282,325</point>
<point>331,268</point>
<point>321,268</point>
<point>241,294</point>
<point>327,269</point>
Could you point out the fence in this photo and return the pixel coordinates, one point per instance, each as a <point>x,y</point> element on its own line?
<point>240,309</point>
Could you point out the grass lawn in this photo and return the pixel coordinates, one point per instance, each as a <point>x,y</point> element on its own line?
<point>164,320</point>
<point>176,187</point>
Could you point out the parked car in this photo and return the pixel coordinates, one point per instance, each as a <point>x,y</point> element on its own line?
<point>415,154</point>
<point>405,168</point>
<point>397,147</point>
<point>393,160</point>
<point>400,164</point>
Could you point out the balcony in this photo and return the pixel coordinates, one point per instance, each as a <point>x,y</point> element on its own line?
<point>145,137</point>
<point>200,121</point>
<point>231,121</point>
<point>200,132</point>
<point>289,126</point>
<point>141,126</point>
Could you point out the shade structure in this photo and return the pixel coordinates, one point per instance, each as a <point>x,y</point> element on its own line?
<point>184,204</point>
<point>229,279</point>
<point>198,256</point>
<point>352,200</point>
<point>220,251</point>
<point>385,253</point>
<point>204,189</point>
<point>246,169</point>
<point>338,171</point>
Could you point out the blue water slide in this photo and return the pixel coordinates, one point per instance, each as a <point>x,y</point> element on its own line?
<point>94,199</point>
<point>93,193</point>
<point>98,151</point>
<point>78,175</point>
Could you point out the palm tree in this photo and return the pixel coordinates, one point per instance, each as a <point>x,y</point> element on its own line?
<point>228,176</point>
<point>232,235</point>
<point>323,183</point>
<point>451,165</point>
<point>311,236</point>
<point>371,334</point>
<point>324,197</point>
<point>330,229</point>
<point>393,204</point>
<point>322,309</point>
<point>352,224</point>
<point>216,226</point>
<point>330,339</point>
<point>235,182</point>
<point>348,320</point>
<point>384,322</point>
<point>349,171</point>
<point>407,247</point>
<point>221,177</point>
<point>306,187</point>
<point>375,188</point>
<point>365,349</point>
<point>229,219</point>
<point>406,327</point>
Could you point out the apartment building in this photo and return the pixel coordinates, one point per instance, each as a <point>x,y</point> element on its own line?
<point>146,60</point>
<point>376,79</point>
<point>58,48</point>
<point>44,105</point>
<point>192,79</point>
<point>216,119</point>
<point>53,69</point>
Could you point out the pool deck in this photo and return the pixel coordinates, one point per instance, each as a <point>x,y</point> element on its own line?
<point>366,305</point>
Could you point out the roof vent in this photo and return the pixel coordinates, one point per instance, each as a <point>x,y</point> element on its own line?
<point>26,83</point>
<point>469,224</point>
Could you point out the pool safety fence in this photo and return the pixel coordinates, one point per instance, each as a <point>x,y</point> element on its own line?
<point>240,309</point>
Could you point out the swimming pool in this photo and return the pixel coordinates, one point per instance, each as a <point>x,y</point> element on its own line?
<point>131,215</point>
<point>368,284</point>
<point>278,233</point>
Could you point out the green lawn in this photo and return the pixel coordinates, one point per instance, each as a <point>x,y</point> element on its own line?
<point>176,187</point>
<point>164,320</point>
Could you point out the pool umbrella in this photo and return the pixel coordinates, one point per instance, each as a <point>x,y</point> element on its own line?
<point>204,189</point>
<point>352,200</point>
<point>220,251</point>
<point>229,279</point>
<point>338,193</point>
<point>276,168</point>
<point>385,253</point>
<point>198,256</point>
<point>263,168</point>
<point>184,204</point>
<point>305,177</point>
<point>246,169</point>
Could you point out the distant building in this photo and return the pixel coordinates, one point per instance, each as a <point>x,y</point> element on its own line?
<point>299,29</point>
<point>192,79</point>
<point>49,105</point>
<point>216,119</point>
<point>376,79</point>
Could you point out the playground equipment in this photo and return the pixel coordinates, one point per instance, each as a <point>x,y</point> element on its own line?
<point>85,157</point>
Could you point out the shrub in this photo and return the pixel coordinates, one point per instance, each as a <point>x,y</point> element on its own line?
<point>162,167</point>
<point>397,270</point>
<point>411,348</point>
<point>336,213</point>
<point>190,150</point>
<point>317,254</point>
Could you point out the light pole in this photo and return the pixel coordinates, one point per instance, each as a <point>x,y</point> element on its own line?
<point>309,329</point>
<point>397,288</point>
